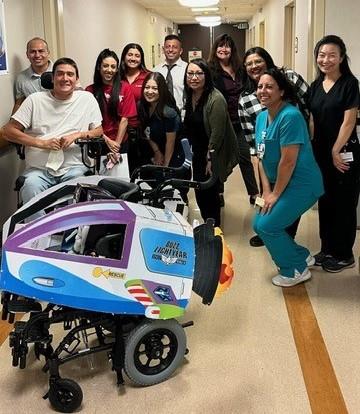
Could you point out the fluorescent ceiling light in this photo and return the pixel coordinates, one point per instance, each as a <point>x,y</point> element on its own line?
<point>210,24</point>
<point>198,3</point>
<point>207,19</point>
<point>204,9</point>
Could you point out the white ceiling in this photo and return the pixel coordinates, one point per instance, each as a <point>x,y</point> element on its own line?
<point>232,11</point>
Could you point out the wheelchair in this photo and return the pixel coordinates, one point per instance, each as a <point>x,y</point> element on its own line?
<point>116,268</point>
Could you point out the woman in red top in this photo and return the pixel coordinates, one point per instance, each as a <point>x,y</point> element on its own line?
<point>116,101</point>
<point>133,72</point>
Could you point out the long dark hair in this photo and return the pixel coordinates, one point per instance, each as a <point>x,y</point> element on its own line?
<point>248,83</point>
<point>165,99</point>
<point>123,67</point>
<point>336,40</point>
<point>224,40</point>
<point>208,87</point>
<point>278,74</point>
<point>98,85</point>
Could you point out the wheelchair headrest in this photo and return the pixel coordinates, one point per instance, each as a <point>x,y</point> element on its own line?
<point>47,80</point>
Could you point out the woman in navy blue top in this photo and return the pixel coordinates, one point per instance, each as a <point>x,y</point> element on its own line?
<point>160,120</point>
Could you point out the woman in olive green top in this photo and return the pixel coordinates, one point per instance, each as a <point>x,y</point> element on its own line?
<point>208,127</point>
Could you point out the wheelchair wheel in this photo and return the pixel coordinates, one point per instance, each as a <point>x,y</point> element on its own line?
<point>153,351</point>
<point>65,395</point>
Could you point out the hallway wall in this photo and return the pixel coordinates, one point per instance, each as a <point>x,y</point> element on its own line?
<point>87,31</point>
<point>341,18</point>
<point>23,20</point>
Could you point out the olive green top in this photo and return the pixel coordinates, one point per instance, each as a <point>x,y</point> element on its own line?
<point>222,137</point>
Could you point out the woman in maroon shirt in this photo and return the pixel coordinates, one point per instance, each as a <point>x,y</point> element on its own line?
<point>133,72</point>
<point>116,101</point>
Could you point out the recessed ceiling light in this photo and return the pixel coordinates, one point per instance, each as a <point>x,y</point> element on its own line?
<point>198,3</point>
<point>207,19</point>
<point>210,24</point>
<point>204,9</point>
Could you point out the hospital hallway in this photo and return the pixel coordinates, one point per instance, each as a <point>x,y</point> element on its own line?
<point>257,349</point>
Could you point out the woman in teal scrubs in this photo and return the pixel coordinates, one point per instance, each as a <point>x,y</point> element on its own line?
<point>290,178</point>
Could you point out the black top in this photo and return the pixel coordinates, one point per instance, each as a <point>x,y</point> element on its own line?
<point>170,122</point>
<point>195,131</point>
<point>328,110</point>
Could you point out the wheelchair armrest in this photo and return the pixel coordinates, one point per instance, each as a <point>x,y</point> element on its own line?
<point>19,183</point>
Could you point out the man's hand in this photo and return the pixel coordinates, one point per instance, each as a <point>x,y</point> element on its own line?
<point>67,140</point>
<point>51,144</point>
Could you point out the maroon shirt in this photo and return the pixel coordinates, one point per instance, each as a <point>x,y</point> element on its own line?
<point>126,108</point>
<point>233,89</point>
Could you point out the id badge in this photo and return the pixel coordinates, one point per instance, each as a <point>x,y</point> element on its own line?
<point>347,156</point>
<point>261,150</point>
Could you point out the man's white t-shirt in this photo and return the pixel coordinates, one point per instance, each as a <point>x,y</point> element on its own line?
<point>44,116</point>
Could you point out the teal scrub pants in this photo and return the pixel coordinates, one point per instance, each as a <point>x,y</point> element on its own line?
<point>271,227</point>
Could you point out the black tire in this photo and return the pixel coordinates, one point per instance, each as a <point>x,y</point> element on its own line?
<point>65,395</point>
<point>153,351</point>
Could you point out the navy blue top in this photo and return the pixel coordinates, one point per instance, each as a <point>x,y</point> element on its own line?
<point>170,122</point>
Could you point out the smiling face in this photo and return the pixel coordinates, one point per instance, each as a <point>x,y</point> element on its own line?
<point>195,78</point>
<point>268,92</point>
<point>133,59</point>
<point>172,49</point>
<point>151,92</point>
<point>64,81</point>
<point>223,53</point>
<point>38,55</point>
<point>329,59</point>
<point>108,69</point>
<point>255,66</point>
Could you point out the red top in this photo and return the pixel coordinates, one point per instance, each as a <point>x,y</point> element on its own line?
<point>136,86</point>
<point>126,108</point>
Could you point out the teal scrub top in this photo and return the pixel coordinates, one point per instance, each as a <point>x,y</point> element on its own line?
<point>288,128</point>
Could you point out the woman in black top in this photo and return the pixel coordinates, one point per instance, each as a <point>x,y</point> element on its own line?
<point>333,103</point>
<point>208,126</point>
<point>160,120</point>
<point>225,65</point>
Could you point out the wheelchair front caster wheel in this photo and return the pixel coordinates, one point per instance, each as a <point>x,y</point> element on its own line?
<point>65,395</point>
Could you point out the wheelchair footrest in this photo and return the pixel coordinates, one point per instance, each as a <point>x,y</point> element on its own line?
<point>23,306</point>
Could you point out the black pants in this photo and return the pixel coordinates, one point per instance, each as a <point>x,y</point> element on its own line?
<point>245,164</point>
<point>138,150</point>
<point>337,209</point>
<point>208,200</point>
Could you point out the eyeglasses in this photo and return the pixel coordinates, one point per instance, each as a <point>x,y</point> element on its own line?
<point>190,75</point>
<point>256,62</point>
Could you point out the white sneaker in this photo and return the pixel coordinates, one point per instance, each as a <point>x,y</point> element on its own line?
<point>284,281</point>
<point>310,260</point>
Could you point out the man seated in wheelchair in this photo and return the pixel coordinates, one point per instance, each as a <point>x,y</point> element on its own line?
<point>47,124</point>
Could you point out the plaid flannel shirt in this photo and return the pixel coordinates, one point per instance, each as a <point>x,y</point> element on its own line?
<point>250,107</point>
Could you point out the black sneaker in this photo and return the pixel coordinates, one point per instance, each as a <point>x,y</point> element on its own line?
<point>333,265</point>
<point>256,241</point>
<point>320,258</point>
